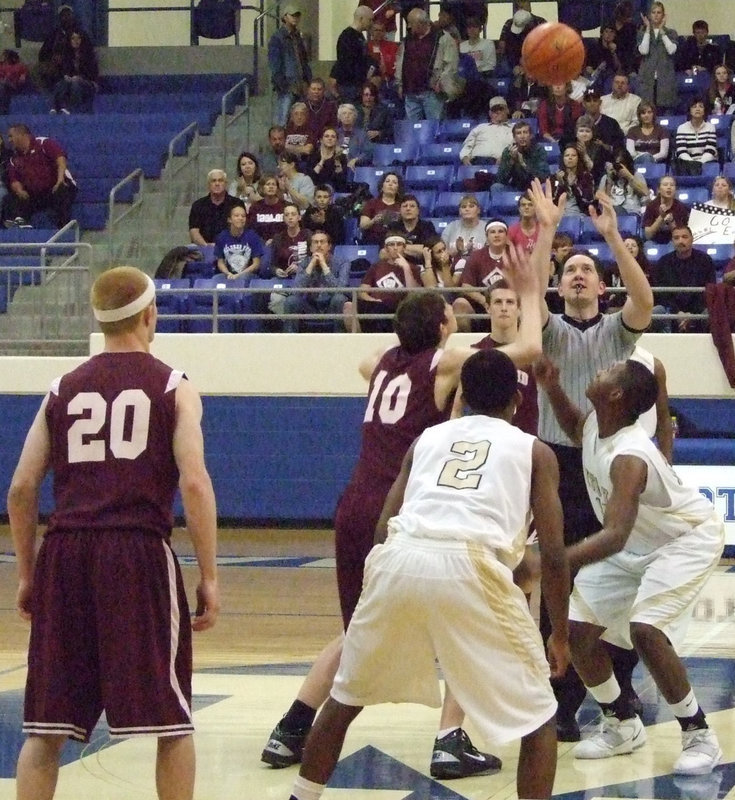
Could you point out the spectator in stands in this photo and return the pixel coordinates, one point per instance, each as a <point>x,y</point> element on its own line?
<point>525,95</point>
<point>657,45</point>
<point>524,232</point>
<point>648,142</point>
<point>323,215</point>
<point>438,268</point>
<point>485,142</point>
<point>38,179</point>
<point>462,236</point>
<point>247,175</point>
<point>289,245</point>
<point>562,245</point>
<point>606,130</point>
<point>720,95</point>
<point>77,87</point>
<point>294,185</point>
<point>557,113</point>
<point>688,267</point>
<point>392,272</point>
<point>374,117</point>
<point>209,214</point>
<point>321,110</point>
<point>328,164</point>
<point>728,275</point>
<point>426,68</point>
<point>13,77</point>
<point>627,190</point>
<point>288,63</point>
<point>664,213</point>
<point>384,15</point>
<point>621,104</point>
<point>238,249</point>
<point>49,70</point>
<point>320,269</point>
<point>521,161</point>
<point>272,151</point>
<point>483,268</point>
<point>698,53</point>
<point>602,56</point>
<point>479,87</point>
<point>300,140</point>
<point>626,36</point>
<point>354,64</point>
<point>594,154</point>
<point>513,34</point>
<point>416,231</point>
<point>383,51</point>
<point>696,141</point>
<point>574,179</point>
<point>721,195</point>
<point>266,216</point>
<point>380,212</point>
<point>353,140</point>
<point>616,300</point>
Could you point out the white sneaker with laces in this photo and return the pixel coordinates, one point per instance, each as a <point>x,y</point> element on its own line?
<point>614,738</point>
<point>700,752</point>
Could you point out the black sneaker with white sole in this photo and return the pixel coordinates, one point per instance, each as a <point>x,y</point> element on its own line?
<point>455,756</point>
<point>284,748</point>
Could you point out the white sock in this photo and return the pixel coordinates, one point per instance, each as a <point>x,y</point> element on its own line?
<point>446,731</point>
<point>687,707</point>
<point>306,790</point>
<point>607,692</point>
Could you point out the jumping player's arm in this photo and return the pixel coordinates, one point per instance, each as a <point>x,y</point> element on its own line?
<point>23,504</point>
<point>664,430</point>
<point>549,521</point>
<point>639,302</point>
<point>570,417</point>
<point>628,474</point>
<point>548,214</point>
<point>199,503</point>
<point>367,366</point>
<point>394,498</point>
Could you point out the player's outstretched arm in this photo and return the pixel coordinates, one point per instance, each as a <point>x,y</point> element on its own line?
<point>197,494</point>
<point>664,428</point>
<point>394,498</point>
<point>628,475</point>
<point>570,417</point>
<point>23,504</point>
<point>638,305</point>
<point>524,279</point>
<point>549,520</point>
<point>548,215</point>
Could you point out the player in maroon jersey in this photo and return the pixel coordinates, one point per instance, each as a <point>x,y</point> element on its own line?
<point>109,618</point>
<point>412,386</point>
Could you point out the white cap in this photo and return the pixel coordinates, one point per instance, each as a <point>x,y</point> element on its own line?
<point>520,20</point>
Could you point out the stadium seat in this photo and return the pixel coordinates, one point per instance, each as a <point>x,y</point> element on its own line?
<point>440,153</point>
<point>504,203</point>
<point>426,198</point>
<point>229,301</point>
<point>171,302</point>
<point>651,173</point>
<point>385,155</point>
<point>409,132</point>
<point>697,194</point>
<point>655,251</point>
<point>570,226</point>
<point>598,249</point>
<point>456,130</point>
<point>553,153</point>
<point>627,225</point>
<point>440,223</point>
<point>465,172</point>
<point>719,253</point>
<point>373,175</point>
<point>429,177</point>
<point>360,256</point>
<point>709,172</point>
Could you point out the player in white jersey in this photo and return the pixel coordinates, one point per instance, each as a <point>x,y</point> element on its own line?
<point>640,575</point>
<point>440,587</point>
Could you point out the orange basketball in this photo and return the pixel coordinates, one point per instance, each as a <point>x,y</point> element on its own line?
<point>553,53</point>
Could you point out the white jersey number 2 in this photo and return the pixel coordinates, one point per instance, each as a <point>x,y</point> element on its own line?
<point>84,445</point>
<point>462,473</point>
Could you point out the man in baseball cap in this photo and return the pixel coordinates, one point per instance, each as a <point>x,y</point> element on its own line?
<point>485,142</point>
<point>288,63</point>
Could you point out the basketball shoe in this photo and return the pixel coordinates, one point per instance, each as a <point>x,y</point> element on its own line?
<point>700,753</point>
<point>615,737</point>
<point>455,756</point>
<point>284,748</point>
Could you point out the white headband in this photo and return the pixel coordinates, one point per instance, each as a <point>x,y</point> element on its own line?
<point>394,239</point>
<point>132,308</point>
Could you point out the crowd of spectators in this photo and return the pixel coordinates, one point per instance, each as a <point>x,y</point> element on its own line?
<point>596,133</point>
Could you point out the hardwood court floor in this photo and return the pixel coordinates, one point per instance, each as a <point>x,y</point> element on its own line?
<point>279,608</point>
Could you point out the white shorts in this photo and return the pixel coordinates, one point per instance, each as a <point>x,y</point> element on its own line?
<point>657,588</point>
<point>453,602</point>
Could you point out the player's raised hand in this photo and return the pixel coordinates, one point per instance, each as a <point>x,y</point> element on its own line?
<point>548,213</point>
<point>605,220</point>
<point>518,271</point>
<point>546,372</point>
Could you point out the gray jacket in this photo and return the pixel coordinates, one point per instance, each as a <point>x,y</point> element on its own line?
<point>444,68</point>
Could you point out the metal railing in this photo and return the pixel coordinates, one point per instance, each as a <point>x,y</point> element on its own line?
<point>190,161</point>
<point>113,222</point>
<point>352,318</point>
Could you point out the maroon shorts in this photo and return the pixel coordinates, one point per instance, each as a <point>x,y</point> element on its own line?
<point>110,630</point>
<point>357,515</point>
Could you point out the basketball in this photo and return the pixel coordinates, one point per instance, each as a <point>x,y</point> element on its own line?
<point>553,53</point>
